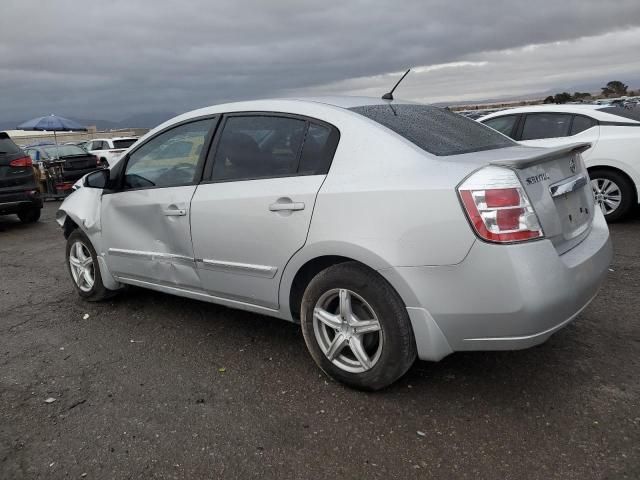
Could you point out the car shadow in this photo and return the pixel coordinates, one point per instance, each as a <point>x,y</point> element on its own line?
<point>13,223</point>
<point>548,367</point>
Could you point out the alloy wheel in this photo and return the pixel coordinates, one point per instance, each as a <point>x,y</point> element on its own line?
<point>82,268</point>
<point>607,194</point>
<point>347,330</point>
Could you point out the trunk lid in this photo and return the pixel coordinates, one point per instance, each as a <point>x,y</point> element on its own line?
<point>557,183</point>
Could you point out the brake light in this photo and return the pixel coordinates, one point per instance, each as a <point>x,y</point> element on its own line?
<point>498,207</point>
<point>21,162</point>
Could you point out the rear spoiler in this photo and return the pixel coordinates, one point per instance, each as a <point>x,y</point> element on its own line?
<point>540,155</point>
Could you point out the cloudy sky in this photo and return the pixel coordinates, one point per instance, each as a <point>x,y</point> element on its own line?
<point>108,60</point>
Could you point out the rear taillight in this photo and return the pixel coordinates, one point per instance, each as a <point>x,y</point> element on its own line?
<point>21,162</point>
<point>498,207</point>
<point>97,160</point>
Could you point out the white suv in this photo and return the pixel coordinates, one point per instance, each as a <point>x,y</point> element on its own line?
<point>109,149</point>
<point>613,132</point>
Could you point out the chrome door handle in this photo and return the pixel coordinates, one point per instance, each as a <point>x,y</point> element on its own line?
<point>174,212</point>
<point>279,207</point>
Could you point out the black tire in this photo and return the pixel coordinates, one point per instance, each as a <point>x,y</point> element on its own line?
<point>398,350</point>
<point>31,215</point>
<point>98,291</point>
<point>627,191</point>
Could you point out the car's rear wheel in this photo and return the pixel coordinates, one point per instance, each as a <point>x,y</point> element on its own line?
<point>356,327</point>
<point>613,193</point>
<point>84,268</point>
<point>31,215</point>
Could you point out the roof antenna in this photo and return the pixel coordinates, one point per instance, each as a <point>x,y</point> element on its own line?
<point>389,95</point>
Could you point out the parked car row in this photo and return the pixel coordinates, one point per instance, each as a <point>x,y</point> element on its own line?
<point>613,132</point>
<point>388,230</point>
<point>30,174</point>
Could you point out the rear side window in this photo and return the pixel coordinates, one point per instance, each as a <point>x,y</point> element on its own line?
<point>320,145</point>
<point>124,143</point>
<point>581,123</point>
<point>434,129</point>
<point>545,125</point>
<point>502,124</point>
<point>7,147</point>
<point>252,147</point>
<point>632,113</point>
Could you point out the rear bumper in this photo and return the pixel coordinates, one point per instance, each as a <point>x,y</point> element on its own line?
<point>18,201</point>
<point>503,297</point>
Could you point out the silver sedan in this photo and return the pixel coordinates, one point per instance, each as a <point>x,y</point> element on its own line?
<point>388,230</point>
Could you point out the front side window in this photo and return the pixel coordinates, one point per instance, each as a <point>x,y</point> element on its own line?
<point>253,147</point>
<point>435,130</point>
<point>502,124</point>
<point>170,159</point>
<point>546,125</point>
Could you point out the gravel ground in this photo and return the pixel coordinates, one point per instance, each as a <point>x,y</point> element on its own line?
<point>155,386</point>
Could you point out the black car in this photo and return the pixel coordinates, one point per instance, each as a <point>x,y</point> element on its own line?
<point>77,161</point>
<point>19,187</point>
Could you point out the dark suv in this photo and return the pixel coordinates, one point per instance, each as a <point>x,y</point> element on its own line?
<point>19,187</point>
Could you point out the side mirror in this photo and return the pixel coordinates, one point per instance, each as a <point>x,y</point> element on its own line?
<point>97,179</point>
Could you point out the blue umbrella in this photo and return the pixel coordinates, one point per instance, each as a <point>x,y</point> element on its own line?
<point>52,123</point>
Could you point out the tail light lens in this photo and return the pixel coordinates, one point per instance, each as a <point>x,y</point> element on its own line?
<point>21,162</point>
<point>498,207</point>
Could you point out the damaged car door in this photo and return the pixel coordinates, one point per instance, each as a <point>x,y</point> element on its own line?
<point>145,221</point>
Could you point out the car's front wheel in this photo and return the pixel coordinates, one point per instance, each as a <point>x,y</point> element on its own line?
<point>82,263</point>
<point>356,327</point>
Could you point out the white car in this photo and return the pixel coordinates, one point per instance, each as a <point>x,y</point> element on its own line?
<point>109,149</point>
<point>613,161</point>
<point>388,230</point>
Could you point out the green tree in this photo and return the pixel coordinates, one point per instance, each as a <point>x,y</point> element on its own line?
<point>563,97</point>
<point>581,95</point>
<point>614,87</point>
<point>549,99</point>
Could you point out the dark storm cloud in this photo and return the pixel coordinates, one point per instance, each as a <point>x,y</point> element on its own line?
<point>110,59</point>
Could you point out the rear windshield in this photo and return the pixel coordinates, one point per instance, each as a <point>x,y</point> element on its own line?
<point>435,130</point>
<point>63,150</point>
<point>126,143</point>
<point>7,147</point>
<point>632,112</point>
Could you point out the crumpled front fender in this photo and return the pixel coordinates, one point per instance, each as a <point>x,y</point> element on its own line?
<point>82,209</point>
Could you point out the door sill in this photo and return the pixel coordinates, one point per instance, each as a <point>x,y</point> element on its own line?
<point>198,295</point>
